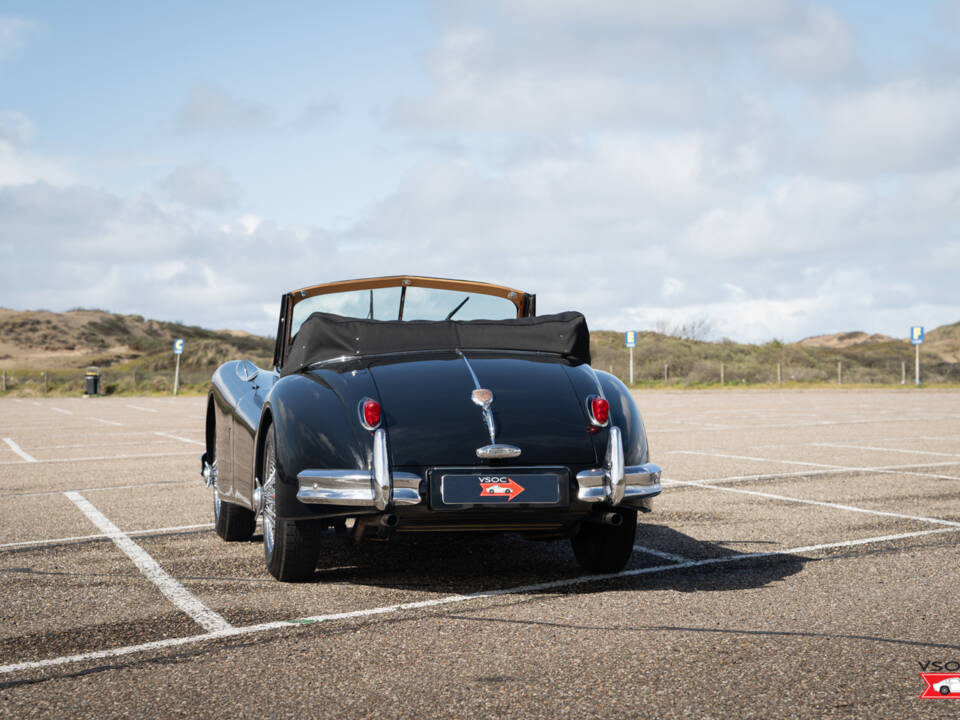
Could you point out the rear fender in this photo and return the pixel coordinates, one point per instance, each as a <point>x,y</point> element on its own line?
<point>626,416</point>
<point>313,429</point>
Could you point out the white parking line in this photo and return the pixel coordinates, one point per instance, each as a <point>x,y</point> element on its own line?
<point>100,457</point>
<point>886,449</point>
<point>177,437</point>
<point>19,451</point>
<point>888,469</point>
<point>651,551</point>
<point>61,410</point>
<point>107,422</point>
<point>105,487</point>
<point>143,409</point>
<point>447,600</point>
<point>823,503</point>
<point>102,536</point>
<point>173,590</point>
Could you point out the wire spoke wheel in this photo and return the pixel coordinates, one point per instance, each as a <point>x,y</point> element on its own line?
<point>268,497</point>
<point>290,545</point>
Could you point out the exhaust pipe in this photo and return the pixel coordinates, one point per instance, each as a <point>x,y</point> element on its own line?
<point>380,527</point>
<point>608,518</point>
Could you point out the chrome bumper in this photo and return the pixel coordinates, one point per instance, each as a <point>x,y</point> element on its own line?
<point>377,488</point>
<point>615,483</point>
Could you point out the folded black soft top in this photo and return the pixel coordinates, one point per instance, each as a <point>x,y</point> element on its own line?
<point>324,336</point>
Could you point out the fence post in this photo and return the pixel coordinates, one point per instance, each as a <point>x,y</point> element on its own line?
<point>666,372</point>
<point>779,375</point>
<point>44,383</point>
<point>722,374</point>
<point>839,372</point>
<point>3,383</point>
<point>903,373</point>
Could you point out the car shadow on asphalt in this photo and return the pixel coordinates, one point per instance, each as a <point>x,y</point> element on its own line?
<point>461,563</point>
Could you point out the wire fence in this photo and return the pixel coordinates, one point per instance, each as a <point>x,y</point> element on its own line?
<point>27,382</point>
<point>686,372</point>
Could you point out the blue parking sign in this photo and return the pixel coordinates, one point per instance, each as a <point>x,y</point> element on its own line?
<point>916,335</point>
<point>630,338</point>
<point>178,346</point>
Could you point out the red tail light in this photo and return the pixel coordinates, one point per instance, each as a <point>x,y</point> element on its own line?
<point>370,412</point>
<point>599,410</point>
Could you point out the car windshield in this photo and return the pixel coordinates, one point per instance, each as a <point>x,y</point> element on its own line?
<point>418,303</point>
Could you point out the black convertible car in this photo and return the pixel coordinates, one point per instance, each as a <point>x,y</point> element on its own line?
<point>413,404</point>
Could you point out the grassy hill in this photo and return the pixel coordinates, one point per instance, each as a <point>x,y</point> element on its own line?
<point>44,340</point>
<point>135,354</point>
<point>44,351</point>
<point>864,358</point>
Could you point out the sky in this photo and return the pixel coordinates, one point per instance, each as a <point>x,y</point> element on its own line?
<point>768,169</point>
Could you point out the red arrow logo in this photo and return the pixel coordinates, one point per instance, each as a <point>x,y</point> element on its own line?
<point>499,489</point>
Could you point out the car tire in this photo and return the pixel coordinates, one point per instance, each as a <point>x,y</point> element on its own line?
<point>232,522</point>
<point>290,547</point>
<point>944,690</point>
<point>605,548</point>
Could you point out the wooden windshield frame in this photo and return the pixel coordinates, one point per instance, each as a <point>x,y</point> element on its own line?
<point>526,303</point>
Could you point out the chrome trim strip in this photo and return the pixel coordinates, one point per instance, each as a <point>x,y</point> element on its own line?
<point>498,450</point>
<point>382,482</point>
<point>614,466</point>
<point>487,413</point>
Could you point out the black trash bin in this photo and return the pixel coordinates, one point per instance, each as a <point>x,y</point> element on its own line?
<point>93,381</point>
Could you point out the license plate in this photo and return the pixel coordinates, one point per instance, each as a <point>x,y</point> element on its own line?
<point>500,488</point>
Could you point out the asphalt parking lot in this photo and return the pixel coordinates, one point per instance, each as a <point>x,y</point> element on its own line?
<point>802,561</point>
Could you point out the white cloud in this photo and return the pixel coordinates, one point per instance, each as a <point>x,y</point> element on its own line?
<point>900,126</point>
<point>212,109</point>
<point>13,33</point>
<point>201,186</point>
<point>15,128</point>
<point>821,42</point>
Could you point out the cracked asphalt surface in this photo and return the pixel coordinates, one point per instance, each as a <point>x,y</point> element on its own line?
<point>801,562</point>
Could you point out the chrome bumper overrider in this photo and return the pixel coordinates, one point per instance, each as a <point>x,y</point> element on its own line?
<point>615,483</point>
<point>377,487</point>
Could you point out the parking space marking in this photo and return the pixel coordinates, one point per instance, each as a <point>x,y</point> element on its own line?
<point>102,536</point>
<point>811,473</point>
<point>177,437</point>
<point>143,409</point>
<point>61,410</point>
<point>173,590</point>
<point>885,449</point>
<point>652,551</point>
<point>449,599</point>
<point>100,457</point>
<point>33,493</point>
<point>19,451</point>
<point>107,422</point>
<point>823,503</point>
<point>888,469</point>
